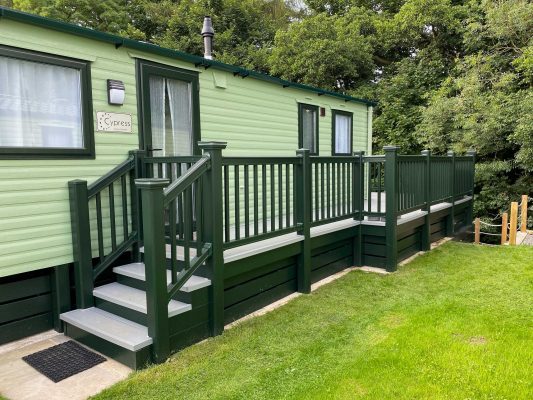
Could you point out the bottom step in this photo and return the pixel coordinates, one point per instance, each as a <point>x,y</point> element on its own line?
<point>116,337</point>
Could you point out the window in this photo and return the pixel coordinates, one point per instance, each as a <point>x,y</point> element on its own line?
<point>308,128</point>
<point>45,106</point>
<point>342,133</point>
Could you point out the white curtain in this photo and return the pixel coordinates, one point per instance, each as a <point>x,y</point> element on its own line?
<point>40,105</point>
<point>171,114</point>
<point>179,95</point>
<point>309,129</point>
<point>342,134</point>
<point>158,113</point>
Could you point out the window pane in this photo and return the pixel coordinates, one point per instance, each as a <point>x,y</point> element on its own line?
<point>40,105</point>
<point>342,134</point>
<point>309,129</point>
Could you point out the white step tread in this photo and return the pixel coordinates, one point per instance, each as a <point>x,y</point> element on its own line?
<point>137,271</point>
<point>114,329</point>
<point>134,299</point>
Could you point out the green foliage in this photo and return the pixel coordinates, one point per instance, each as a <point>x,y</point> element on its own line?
<point>326,51</point>
<point>445,73</point>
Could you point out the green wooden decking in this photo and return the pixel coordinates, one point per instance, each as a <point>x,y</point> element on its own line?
<point>257,228</point>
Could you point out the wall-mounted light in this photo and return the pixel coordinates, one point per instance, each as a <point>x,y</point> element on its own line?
<point>115,92</point>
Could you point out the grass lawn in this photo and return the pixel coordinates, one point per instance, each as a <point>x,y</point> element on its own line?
<point>456,323</point>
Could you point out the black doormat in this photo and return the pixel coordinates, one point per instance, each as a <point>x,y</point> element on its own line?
<point>64,360</point>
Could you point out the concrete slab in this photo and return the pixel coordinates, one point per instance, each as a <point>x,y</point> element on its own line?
<point>19,381</point>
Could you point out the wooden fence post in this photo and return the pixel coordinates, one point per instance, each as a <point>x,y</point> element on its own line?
<point>477,230</point>
<point>303,219</point>
<point>81,243</point>
<point>470,210</point>
<point>391,201</point>
<point>214,231</point>
<point>514,221</point>
<point>359,199</point>
<point>450,221</point>
<point>426,228</point>
<point>523,214</point>
<point>505,221</point>
<point>155,265</point>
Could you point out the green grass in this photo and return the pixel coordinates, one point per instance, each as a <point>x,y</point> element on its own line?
<point>456,323</point>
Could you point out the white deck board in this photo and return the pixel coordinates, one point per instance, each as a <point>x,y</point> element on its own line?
<point>115,329</point>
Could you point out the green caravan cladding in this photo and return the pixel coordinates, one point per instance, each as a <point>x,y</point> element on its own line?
<point>257,115</point>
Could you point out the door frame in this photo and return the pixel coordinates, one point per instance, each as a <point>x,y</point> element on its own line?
<point>144,69</point>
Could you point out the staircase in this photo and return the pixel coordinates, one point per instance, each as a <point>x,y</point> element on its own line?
<point>117,325</point>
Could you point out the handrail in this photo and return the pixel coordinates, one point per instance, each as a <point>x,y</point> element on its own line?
<point>122,237</point>
<point>104,181</point>
<point>171,159</point>
<point>260,160</point>
<point>187,179</point>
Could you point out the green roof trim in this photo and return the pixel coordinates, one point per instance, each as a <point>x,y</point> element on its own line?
<point>119,41</point>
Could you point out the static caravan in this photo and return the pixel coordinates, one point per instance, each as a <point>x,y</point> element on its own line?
<point>148,196</point>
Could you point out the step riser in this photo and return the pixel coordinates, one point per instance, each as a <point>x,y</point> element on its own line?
<point>196,297</point>
<point>133,359</point>
<point>199,314</point>
<point>121,311</point>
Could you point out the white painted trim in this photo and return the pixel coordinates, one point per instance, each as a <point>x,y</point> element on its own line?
<point>252,249</point>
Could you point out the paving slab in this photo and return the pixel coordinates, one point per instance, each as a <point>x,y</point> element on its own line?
<point>19,381</point>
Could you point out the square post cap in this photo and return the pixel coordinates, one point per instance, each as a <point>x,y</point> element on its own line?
<point>303,151</point>
<point>359,153</point>
<point>391,148</point>
<point>151,183</point>
<point>450,153</point>
<point>212,145</point>
<point>425,152</point>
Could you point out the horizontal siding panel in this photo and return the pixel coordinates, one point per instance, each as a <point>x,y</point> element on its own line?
<point>256,119</point>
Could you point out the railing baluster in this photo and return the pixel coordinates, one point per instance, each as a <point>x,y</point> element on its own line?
<point>187,194</point>
<point>263,197</point>
<point>328,197</point>
<point>344,183</point>
<point>246,202</point>
<point>280,196</point>
<point>237,203</point>
<point>287,195</point>
<point>173,245</point>
<point>168,167</point>
<point>256,201</point>
<point>314,171</point>
<point>227,224</point>
<point>180,209</point>
<point>160,170</point>
<point>322,194</point>
<point>112,217</point>
<point>272,198</point>
<point>124,192</point>
<point>99,227</point>
<point>198,212</point>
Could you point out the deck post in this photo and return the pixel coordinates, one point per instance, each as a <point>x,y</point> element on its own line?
<point>155,265</point>
<point>81,243</point>
<point>135,198</point>
<point>391,206</point>
<point>505,221</point>
<point>470,210</point>
<point>426,228</point>
<point>303,219</point>
<point>359,199</point>
<point>450,221</point>
<point>213,231</point>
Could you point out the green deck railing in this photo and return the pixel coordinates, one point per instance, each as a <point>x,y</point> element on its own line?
<point>187,210</point>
